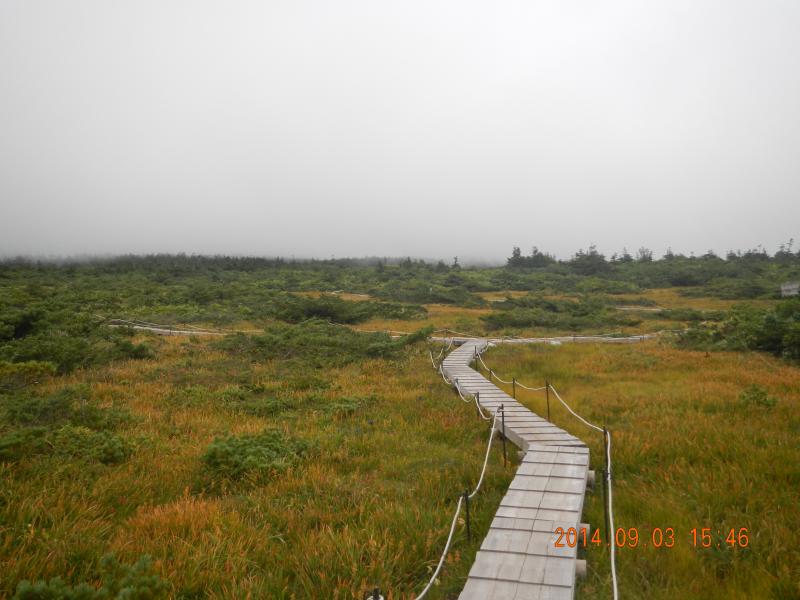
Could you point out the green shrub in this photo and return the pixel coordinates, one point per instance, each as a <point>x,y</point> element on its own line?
<point>68,422</point>
<point>688,314</point>
<point>775,330</point>
<point>120,582</point>
<point>18,375</point>
<point>757,396</point>
<point>251,400</point>
<point>19,443</point>
<point>72,405</point>
<point>536,311</point>
<point>425,292</point>
<point>69,342</point>
<point>81,442</point>
<point>346,406</point>
<point>254,457</point>
<point>294,309</point>
<point>318,344</point>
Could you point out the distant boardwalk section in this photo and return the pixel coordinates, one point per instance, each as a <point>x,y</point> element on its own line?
<point>790,288</point>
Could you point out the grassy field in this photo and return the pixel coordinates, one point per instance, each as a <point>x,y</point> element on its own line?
<point>316,461</point>
<point>691,449</point>
<point>371,503</point>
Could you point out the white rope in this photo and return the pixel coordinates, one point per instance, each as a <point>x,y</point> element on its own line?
<point>446,380</point>
<point>458,511</point>
<point>611,519</point>
<point>446,549</point>
<point>493,374</point>
<point>480,410</point>
<point>530,388</point>
<point>574,414</point>
<point>486,458</point>
<point>458,389</point>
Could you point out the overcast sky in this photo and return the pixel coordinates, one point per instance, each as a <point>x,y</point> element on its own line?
<point>427,128</point>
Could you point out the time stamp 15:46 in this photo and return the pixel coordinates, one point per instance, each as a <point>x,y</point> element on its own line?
<point>659,537</point>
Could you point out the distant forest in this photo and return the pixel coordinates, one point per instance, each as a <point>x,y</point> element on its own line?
<point>738,275</point>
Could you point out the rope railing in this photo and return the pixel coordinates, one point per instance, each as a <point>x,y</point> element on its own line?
<point>439,356</point>
<point>607,487</point>
<point>536,389</point>
<point>424,592</point>
<point>463,498</point>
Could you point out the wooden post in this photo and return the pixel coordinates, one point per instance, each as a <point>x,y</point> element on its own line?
<point>514,388</point>
<point>466,504</point>
<point>547,394</point>
<point>503,416</point>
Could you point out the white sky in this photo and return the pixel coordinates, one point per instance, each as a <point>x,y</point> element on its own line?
<point>425,128</point>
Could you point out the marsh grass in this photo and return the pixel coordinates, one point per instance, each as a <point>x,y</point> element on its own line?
<point>390,448</point>
<point>370,504</point>
<point>699,440</point>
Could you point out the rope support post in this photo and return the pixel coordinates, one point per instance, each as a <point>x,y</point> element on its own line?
<point>547,394</point>
<point>503,416</point>
<point>466,506</point>
<point>478,403</point>
<point>514,388</point>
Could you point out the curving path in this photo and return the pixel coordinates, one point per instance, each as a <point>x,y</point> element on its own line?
<point>518,559</point>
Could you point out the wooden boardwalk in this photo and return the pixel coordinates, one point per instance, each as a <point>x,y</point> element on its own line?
<point>518,559</point>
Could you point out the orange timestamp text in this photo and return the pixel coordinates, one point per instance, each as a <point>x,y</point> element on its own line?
<point>658,537</point>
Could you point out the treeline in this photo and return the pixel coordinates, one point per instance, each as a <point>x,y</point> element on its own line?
<point>748,274</point>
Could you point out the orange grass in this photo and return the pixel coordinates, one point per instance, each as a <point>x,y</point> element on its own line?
<point>371,504</point>
<point>686,453</point>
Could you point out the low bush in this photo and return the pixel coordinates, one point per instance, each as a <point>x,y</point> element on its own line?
<point>119,582</point>
<point>253,400</point>
<point>687,314</point>
<point>68,422</point>
<point>70,405</point>
<point>775,330</point>
<point>537,311</point>
<point>757,396</point>
<point>81,442</point>
<point>294,309</point>
<point>424,292</point>
<point>254,457</point>
<point>18,375</point>
<point>318,344</point>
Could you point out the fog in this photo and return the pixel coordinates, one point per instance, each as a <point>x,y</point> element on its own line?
<point>432,129</point>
